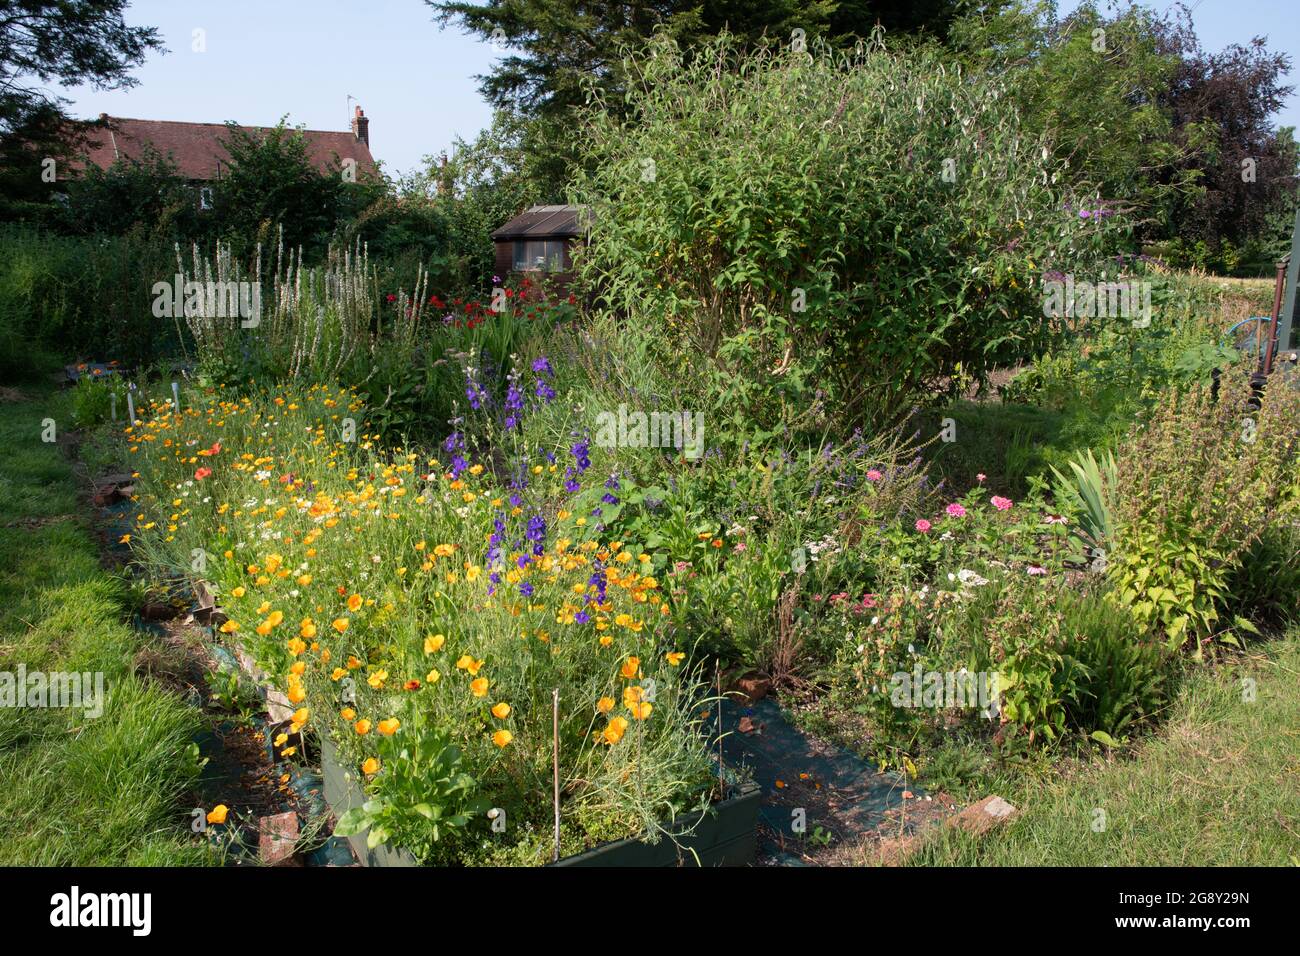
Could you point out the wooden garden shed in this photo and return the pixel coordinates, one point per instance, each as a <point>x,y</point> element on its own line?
<point>540,241</point>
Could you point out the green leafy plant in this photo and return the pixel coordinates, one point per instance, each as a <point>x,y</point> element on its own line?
<point>1087,492</point>
<point>1124,676</point>
<point>1197,485</point>
<point>419,792</point>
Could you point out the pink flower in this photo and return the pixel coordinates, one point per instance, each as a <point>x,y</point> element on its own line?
<point>1002,504</point>
<point>836,598</point>
<point>740,546</point>
<point>202,473</point>
<point>980,477</point>
<point>1055,519</point>
<point>874,475</point>
<point>922,525</point>
<point>955,510</point>
<point>868,600</point>
<point>1036,570</point>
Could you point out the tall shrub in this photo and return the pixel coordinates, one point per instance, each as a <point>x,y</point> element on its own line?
<point>794,228</point>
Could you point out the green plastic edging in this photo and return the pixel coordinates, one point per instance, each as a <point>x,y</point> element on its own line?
<point>726,834</point>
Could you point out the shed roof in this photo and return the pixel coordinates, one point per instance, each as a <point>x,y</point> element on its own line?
<point>545,221</point>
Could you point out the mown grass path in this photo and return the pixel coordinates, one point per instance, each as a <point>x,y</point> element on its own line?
<point>1217,785</point>
<point>79,789</point>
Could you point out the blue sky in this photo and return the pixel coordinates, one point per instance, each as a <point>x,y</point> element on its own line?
<point>305,57</point>
<point>414,80</point>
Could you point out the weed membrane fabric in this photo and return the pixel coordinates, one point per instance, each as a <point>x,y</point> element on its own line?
<point>812,791</point>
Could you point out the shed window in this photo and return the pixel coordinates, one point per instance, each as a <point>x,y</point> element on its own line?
<point>205,197</point>
<point>543,255</point>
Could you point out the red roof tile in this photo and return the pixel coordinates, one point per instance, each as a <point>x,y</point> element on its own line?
<point>197,150</point>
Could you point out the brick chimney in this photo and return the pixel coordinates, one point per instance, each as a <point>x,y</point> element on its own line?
<point>361,126</point>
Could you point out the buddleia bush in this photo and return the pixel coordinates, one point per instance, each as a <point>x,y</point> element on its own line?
<point>850,231</point>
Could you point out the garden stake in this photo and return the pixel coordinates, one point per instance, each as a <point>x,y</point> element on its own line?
<point>717,678</point>
<point>112,398</point>
<point>176,397</point>
<point>555,767</point>
<point>130,407</point>
<point>1271,345</point>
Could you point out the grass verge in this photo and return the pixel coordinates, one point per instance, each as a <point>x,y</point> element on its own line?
<point>79,790</point>
<point>1217,785</point>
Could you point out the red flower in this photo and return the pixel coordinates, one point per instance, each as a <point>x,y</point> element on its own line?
<point>391,297</point>
<point>202,473</point>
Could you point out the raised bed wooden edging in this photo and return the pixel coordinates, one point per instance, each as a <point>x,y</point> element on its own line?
<point>725,834</point>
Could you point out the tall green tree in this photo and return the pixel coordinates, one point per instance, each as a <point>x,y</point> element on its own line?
<point>559,51</point>
<point>1093,85</point>
<point>55,41</point>
<point>270,184</point>
<point>1243,168</point>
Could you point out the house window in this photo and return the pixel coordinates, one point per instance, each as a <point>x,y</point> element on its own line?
<point>205,197</point>
<point>539,255</point>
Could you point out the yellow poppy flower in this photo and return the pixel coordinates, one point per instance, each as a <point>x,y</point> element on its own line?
<point>362,727</point>
<point>388,727</point>
<point>370,766</point>
<point>502,737</point>
<point>501,711</point>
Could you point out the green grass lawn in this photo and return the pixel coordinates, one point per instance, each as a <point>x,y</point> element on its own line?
<point>1217,785</point>
<point>79,790</point>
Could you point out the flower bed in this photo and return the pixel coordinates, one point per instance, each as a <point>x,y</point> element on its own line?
<point>422,615</point>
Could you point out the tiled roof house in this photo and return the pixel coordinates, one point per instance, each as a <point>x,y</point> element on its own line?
<point>197,150</point>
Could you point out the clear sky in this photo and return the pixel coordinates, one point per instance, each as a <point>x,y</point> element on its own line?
<point>414,80</point>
